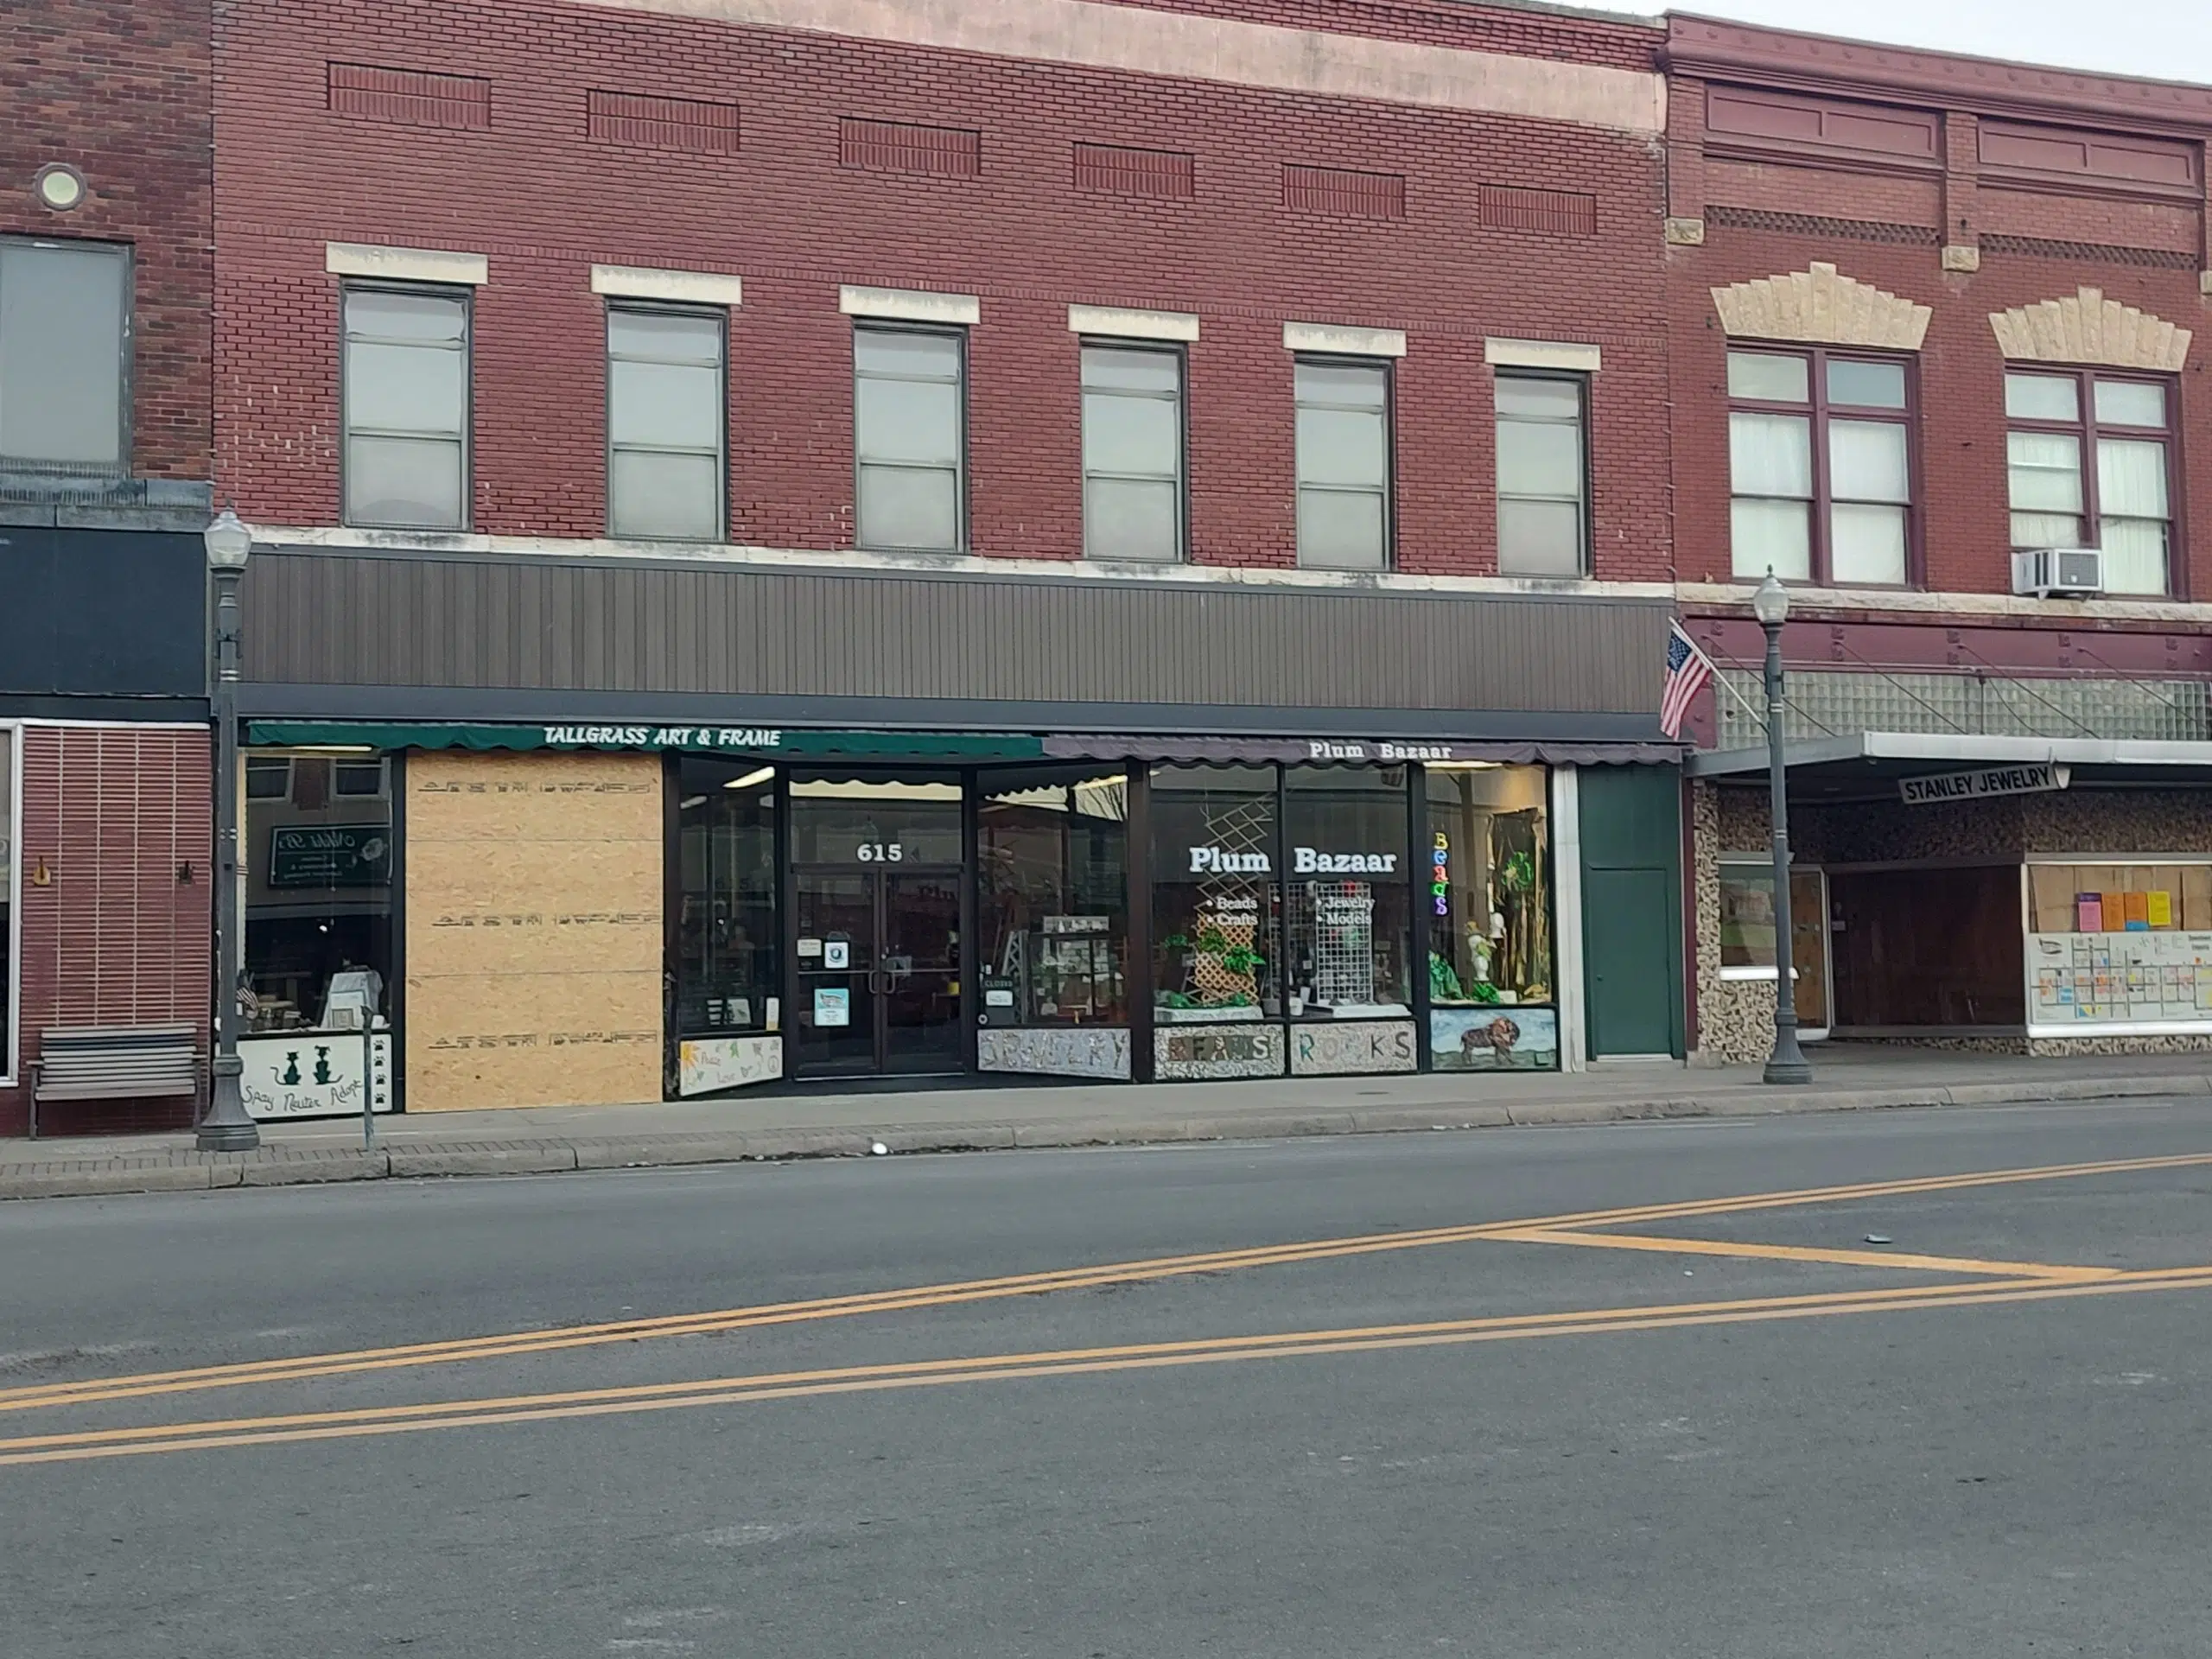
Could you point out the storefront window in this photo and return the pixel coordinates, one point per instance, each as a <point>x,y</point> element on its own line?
<point>2119,945</point>
<point>725,936</point>
<point>1054,852</point>
<point>1490,919</point>
<point>1350,892</point>
<point>1214,918</point>
<point>1747,915</point>
<point>317,889</point>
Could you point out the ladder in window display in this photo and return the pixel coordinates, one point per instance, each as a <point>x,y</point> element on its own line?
<point>1247,827</point>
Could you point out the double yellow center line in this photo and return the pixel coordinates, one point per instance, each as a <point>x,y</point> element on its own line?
<point>2000,1282</point>
<point>789,1385</point>
<point>513,1343</point>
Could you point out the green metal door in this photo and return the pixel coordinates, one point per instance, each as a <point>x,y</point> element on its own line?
<point>1631,990</point>
<point>1632,909</point>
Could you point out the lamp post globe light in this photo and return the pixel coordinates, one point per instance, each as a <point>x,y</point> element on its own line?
<point>1787,1064</point>
<point>227,1127</point>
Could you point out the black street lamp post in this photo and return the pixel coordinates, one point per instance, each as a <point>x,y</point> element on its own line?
<point>1787,1064</point>
<point>228,1126</point>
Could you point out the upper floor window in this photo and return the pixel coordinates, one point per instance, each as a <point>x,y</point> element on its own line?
<point>64,334</point>
<point>1343,464</point>
<point>910,438</point>
<point>1820,460</point>
<point>2123,502</point>
<point>406,408</point>
<point>1133,454</point>
<point>1543,511</point>
<point>664,424</point>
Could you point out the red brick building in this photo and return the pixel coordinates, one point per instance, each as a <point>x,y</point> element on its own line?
<point>1221,412</point>
<point>105,336</point>
<point>1927,311</point>
<point>801,539</point>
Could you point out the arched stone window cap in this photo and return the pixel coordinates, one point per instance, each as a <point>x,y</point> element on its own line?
<point>2090,328</point>
<point>1823,307</point>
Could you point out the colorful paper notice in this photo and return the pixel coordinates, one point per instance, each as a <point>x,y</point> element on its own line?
<point>2138,911</point>
<point>2088,913</point>
<point>2161,907</point>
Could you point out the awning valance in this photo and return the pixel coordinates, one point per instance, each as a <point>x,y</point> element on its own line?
<point>819,745</point>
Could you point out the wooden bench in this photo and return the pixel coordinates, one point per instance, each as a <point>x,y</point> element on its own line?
<point>114,1062</point>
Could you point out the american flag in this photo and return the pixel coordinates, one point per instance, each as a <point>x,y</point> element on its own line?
<point>1687,672</point>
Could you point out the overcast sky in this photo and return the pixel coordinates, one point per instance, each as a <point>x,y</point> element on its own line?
<point>2170,40</point>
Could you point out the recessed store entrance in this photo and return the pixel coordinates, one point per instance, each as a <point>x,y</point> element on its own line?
<point>877,879</point>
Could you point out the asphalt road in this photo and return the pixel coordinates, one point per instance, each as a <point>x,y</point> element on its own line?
<point>1523,1393</point>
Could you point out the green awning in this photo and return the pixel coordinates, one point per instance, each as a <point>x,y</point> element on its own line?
<point>763,742</point>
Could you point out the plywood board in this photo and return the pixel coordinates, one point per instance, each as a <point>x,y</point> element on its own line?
<point>2196,897</point>
<point>2054,888</point>
<point>476,915</point>
<point>533,896</point>
<point>457,795</point>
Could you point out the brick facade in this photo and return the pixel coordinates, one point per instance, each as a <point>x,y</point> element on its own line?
<point>105,618</point>
<point>114,878</point>
<point>1864,198</point>
<point>121,90</point>
<point>1968,188</point>
<point>544,201</point>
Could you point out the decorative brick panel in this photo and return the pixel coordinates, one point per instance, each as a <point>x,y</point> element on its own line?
<point>2043,248</point>
<point>2168,164</point>
<point>1343,192</point>
<point>661,122</point>
<point>1799,120</point>
<point>411,97</point>
<point>1551,213</point>
<point>1113,170</point>
<point>114,937</point>
<point>1841,230</point>
<point>902,147</point>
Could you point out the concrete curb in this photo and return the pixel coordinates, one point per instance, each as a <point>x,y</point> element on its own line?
<point>187,1170</point>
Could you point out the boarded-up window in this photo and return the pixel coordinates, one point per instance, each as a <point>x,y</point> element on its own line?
<point>411,97</point>
<point>661,122</point>
<point>1116,170</point>
<point>1343,192</point>
<point>1553,212</point>
<point>903,147</point>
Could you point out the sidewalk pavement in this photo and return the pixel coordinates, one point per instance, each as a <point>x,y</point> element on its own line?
<point>542,1140</point>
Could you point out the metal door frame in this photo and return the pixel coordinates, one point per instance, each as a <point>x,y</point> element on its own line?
<point>876,876</point>
<point>962,1060</point>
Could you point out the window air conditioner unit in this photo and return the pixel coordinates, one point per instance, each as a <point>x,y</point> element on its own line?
<point>2044,571</point>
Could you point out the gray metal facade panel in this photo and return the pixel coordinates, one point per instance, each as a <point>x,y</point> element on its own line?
<point>461,620</point>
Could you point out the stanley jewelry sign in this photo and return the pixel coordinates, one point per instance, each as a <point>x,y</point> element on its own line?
<point>1942,787</point>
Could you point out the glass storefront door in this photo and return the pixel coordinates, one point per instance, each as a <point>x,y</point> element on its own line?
<point>878,959</point>
<point>834,1023</point>
<point>875,927</point>
<point>920,969</point>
